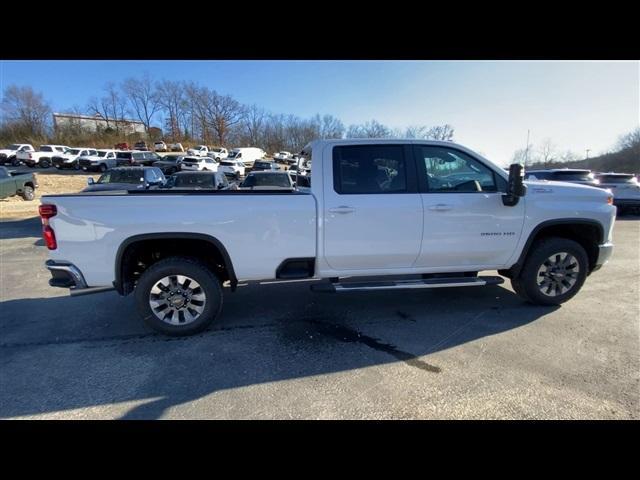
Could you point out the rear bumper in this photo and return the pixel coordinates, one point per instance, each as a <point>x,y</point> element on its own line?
<point>604,254</point>
<point>65,275</point>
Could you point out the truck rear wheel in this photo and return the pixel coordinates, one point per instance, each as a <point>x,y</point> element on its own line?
<point>553,273</point>
<point>45,163</point>
<point>179,296</point>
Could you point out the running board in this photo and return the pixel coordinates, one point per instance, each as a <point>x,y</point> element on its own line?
<point>338,287</point>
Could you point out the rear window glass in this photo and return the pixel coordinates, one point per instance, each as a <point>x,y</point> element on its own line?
<point>617,179</point>
<point>369,169</point>
<point>46,149</point>
<point>121,176</point>
<point>276,180</point>
<point>123,155</point>
<point>573,176</point>
<point>197,180</point>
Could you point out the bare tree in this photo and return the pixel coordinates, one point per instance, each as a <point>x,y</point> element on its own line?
<point>25,109</point>
<point>370,129</point>
<point>441,132</point>
<point>328,126</point>
<point>142,97</point>
<point>223,112</point>
<point>253,124</point>
<point>520,156</point>
<point>568,156</point>
<point>547,151</point>
<point>171,98</point>
<point>629,140</point>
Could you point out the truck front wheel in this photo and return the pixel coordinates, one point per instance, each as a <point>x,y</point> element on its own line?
<point>179,296</point>
<point>28,193</point>
<point>553,272</point>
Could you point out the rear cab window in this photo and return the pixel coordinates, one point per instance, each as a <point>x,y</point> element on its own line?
<point>373,169</point>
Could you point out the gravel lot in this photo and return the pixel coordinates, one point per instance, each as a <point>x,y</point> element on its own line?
<point>281,351</point>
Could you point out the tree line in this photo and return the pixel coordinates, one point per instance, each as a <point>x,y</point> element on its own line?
<point>625,156</point>
<point>185,112</point>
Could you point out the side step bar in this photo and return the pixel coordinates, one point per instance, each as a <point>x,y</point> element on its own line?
<point>337,287</point>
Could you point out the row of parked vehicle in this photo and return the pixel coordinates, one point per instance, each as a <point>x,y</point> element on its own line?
<point>624,186</point>
<point>151,178</point>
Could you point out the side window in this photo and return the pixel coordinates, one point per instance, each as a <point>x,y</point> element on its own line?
<point>451,170</point>
<point>369,169</point>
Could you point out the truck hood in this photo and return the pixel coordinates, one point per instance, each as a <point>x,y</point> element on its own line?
<point>93,158</point>
<point>565,189</point>
<point>7,152</point>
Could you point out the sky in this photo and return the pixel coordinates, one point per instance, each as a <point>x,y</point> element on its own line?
<point>579,105</point>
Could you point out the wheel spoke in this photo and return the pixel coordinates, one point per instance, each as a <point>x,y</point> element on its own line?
<point>177,309</point>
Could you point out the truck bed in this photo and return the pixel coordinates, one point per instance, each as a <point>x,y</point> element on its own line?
<point>259,229</point>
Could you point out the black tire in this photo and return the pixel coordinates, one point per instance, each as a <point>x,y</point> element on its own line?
<point>189,267</point>
<point>28,193</point>
<point>14,161</point>
<point>30,165</point>
<point>76,165</point>
<point>526,285</point>
<point>102,168</point>
<point>171,171</point>
<point>45,163</point>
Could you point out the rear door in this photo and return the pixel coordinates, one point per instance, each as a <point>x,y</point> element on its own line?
<point>372,212</point>
<point>465,221</point>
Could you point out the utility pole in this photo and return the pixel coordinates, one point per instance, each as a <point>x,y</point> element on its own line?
<point>526,152</point>
<point>587,158</point>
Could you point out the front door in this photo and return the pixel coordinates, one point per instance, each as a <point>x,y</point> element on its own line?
<point>465,222</point>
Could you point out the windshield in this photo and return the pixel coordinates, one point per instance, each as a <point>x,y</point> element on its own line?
<point>122,176</point>
<point>13,146</point>
<point>618,179</point>
<point>102,154</point>
<point>196,180</point>
<point>73,151</point>
<point>233,154</point>
<point>46,148</point>
<point>574,176</point>
<point>267,180</point>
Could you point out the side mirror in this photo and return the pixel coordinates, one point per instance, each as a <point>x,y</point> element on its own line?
<point>90,181</point>
<point>515,186</point>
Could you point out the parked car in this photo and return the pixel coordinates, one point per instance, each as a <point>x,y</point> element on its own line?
<point>169,164</point>
<point>625,189</point>
<point>261,165</point>
<point>247,155</point>
<point>267,180</point>
<point>103,161</point>
<point>8,154</point>
<point>282,157</point>
<point>571,175</point>
<point>71,158</point>
<point>136,158</point>
<point>121,146</point>
<point>232,168</point>
<point>199,181</point>
<point>177,147</point>
<point>295,169</point>
<point>199,163</point>
<point>127,178</point>
<point>219,153</point>
<point>421,229</point>
<point>160,147</point>
<point>141,146</point>
<point>17,183</point>
<point>198,151</point>
<point>41,158</point>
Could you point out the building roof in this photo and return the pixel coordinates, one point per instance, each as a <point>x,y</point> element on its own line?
<point>94,117</point>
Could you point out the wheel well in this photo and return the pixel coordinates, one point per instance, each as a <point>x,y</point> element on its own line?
<point>28,184</point>
<point>139,253</point>
<point>588,234</point>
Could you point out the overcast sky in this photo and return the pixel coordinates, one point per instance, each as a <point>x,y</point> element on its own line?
<point>491,105</point>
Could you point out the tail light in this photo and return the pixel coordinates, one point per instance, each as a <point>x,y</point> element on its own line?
<point>46,212</point>
<point>609,199</point>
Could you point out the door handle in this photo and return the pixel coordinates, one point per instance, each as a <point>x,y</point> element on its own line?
<point>440,207</point>
<point>342,209</point>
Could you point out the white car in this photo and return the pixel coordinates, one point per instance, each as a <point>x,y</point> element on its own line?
<point>9,153</point>
<point>160,147</point>
<point>416,214</point>
<point>200,164</point>
<point>71,158</point>
<point>103,161</point>
<point>625,189</point>
<point>199,151</point>
<point>282,157</point>
<point>219,153</point>
<point>232,168</point>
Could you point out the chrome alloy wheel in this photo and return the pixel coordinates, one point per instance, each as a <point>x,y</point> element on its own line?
<point>558,274</point>
<point>177,300</point>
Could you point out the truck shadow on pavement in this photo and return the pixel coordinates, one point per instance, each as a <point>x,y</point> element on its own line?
<point>93,352</point>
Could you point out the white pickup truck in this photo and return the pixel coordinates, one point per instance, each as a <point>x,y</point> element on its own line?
<point>41,158</point>
<point>410,214</point>
<point>198,151</point>
<point>9,154</point>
